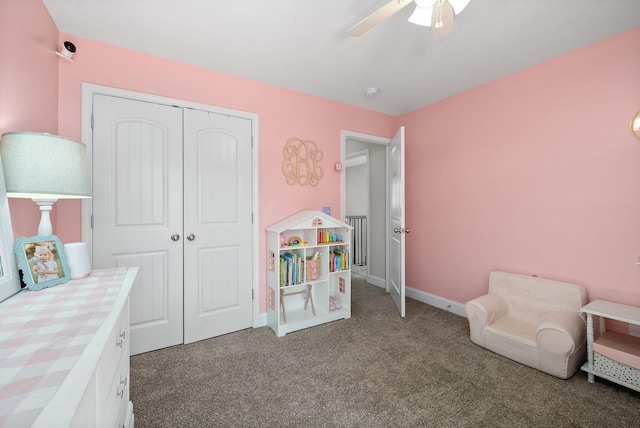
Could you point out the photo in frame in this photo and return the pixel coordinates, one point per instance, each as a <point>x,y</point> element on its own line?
<point>42,261</point>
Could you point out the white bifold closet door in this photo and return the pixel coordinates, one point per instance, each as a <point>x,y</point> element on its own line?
<point>172,194</point>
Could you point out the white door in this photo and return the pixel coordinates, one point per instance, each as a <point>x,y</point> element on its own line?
<point>137,207</point>
<point>217,225</point>
<point>396,228</point>
<point>186,222</point>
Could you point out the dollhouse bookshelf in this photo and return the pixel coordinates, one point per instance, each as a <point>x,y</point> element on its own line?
<point>308,272</point>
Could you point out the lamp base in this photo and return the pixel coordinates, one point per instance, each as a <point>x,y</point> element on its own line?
<point>46,205</point>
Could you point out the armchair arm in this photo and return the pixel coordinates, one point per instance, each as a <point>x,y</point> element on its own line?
<point>481,312</point>
<point>561,332</point>
<point>486,308</point>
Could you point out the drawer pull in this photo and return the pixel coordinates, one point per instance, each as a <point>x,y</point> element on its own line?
<point>122,336</point>
<point>119,391</point>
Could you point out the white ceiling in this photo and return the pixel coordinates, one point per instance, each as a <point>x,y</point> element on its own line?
<point>303,44</point>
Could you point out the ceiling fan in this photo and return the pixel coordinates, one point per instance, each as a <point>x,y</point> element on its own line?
<point>437,14</point>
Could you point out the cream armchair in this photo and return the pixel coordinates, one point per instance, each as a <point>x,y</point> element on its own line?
<point>531,320</point>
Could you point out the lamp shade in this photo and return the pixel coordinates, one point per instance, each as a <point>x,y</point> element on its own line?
<point>44,166</point>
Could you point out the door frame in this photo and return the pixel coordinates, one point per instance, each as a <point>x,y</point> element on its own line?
<point>351,160</point>
<point>88,92</point>
<point>366,138</point>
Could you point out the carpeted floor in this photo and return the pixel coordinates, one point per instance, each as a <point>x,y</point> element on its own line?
<point>373,370</point>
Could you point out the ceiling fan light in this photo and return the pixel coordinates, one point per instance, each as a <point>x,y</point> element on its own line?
<point>459,5</point>
<point>442,20</point>
<point>426,3</point>
<point>422,15</point>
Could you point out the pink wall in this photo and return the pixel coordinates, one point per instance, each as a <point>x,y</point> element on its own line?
<point>282,114</point>
<point>28,86</point>
<point>536,173</point>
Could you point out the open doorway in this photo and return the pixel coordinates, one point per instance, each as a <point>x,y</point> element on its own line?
<point>356,208</point>
<point>365,203</point>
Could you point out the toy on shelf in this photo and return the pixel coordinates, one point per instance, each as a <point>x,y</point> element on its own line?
<point>328,237</point>
<point>308,298</point>
<point>312,266</point>
<point>296,241</point>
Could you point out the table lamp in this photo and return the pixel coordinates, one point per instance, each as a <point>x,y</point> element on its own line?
<point>45,168</point>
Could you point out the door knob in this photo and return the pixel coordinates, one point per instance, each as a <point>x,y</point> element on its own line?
<point>175,237</point>
<point>397,230</point>
<point>191,237</point>
<point>401,230</point>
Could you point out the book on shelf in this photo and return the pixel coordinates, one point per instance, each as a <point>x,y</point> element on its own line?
<point>292,267</point>
<point>339,260</point>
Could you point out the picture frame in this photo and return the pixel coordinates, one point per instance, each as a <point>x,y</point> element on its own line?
<point>42,261</point>
<point>9,277</point>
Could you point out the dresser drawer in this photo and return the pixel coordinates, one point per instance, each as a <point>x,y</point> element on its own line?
<point>113,374</point>
<point>117,346</point>
<point>113,407</point>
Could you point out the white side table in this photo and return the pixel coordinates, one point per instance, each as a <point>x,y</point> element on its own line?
<point>606,310</point>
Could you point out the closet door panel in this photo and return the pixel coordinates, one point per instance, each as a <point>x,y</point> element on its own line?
<point>137,208</point>
<point>218,280</point>
<point>218,213</point>
<point>218,174</point>
<point>141,196</point>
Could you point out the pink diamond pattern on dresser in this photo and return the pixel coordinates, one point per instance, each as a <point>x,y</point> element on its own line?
<point>42,335</point>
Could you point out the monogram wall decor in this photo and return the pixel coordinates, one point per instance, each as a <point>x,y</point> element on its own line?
<point>301,163</point>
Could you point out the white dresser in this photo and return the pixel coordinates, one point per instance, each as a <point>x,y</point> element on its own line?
<point>64,354</point>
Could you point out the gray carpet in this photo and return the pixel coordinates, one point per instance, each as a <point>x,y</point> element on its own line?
<point>373,370</point>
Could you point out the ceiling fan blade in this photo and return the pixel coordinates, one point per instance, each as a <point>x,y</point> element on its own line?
<point>442,19</point>
<point>377,17</point>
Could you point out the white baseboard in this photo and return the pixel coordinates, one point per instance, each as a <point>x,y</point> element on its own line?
<point>412,293</point>
<point>262,320</point>
<point>436,301</point>
<point>380,282</point>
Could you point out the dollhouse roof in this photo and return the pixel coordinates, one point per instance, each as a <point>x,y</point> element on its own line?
<point>306,220</point>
